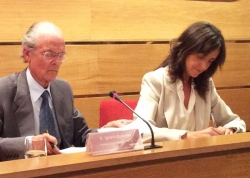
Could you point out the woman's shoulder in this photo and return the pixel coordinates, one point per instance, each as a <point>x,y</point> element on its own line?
<point>157,74</point>
<point>211,82</point>
<point>157,78</point>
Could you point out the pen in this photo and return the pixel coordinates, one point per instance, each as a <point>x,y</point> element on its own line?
<point>51,144</point>
<point>212,117</point>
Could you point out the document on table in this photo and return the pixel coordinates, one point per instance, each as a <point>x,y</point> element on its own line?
<point>73,150</point>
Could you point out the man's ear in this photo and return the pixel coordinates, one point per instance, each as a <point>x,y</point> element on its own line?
<point>26,54</point>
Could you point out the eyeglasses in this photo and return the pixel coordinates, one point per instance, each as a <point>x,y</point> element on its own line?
<point>50,55</point>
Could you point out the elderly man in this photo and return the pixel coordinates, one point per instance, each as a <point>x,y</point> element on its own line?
<point>23,96</point>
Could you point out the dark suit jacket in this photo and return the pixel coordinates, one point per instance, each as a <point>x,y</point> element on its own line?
<point>17,116</point>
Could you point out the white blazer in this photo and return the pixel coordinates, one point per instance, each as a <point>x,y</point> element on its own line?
<point>157,104</point>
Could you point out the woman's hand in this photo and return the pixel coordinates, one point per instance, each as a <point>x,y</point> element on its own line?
<point>211,131</point>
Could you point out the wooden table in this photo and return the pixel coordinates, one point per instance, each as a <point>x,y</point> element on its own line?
<point>227,156</point>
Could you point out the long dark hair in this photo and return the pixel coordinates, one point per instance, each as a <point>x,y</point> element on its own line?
<point>200,37</point>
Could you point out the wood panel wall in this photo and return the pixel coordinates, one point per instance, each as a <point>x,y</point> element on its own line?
<point>124,20</point>
<point>112,44</point>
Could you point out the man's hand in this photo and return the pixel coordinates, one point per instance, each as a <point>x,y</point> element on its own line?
<point>51,143</point>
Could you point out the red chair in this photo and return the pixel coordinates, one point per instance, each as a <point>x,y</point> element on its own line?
<point>113,110</point>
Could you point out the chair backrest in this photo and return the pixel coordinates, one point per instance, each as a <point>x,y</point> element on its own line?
<point>113,110</point>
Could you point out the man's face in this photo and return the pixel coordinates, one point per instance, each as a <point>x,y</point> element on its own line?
<point>42,70</point>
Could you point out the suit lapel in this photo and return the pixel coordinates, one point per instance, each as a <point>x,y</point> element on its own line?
<point>57,98</point>
<point>24,114</point>
<point>59,110</point>
<point>169,85</point>
<point>169,105</point>
<point>199,114</point>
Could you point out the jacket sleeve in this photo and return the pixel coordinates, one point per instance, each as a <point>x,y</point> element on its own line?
<point>223,115</point>
<point>81,129</point>
<point>10,148</point>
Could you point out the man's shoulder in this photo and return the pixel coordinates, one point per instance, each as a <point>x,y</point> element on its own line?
<point>10,77</point>
<point>60,83</point>
<point>59,80</point>
<point>61,87</point>
<point>8,85</point>
<point>9,80</point>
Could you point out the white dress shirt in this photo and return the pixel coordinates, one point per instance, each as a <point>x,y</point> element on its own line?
<point>186,116</point>
<point>36,90</point>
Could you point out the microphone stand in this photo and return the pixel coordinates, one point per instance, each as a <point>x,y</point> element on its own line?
<point>115,96</point>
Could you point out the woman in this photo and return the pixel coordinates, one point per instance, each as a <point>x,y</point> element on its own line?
<point>179,97</point>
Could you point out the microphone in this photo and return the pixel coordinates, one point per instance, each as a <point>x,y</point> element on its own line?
<point>115,96</point>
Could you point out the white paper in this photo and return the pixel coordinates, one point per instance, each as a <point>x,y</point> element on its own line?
<point>73,150</point>
<point>136,124</point>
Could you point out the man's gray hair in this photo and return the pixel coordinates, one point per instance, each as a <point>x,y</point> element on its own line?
<point>37,29</point>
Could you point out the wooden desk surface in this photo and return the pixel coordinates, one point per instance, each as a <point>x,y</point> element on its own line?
<point>228,156</point>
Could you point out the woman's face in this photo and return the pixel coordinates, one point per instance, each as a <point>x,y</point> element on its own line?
<point>197,63</point>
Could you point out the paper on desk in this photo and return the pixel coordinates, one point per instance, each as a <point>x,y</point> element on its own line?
<point>136,124</point>
<point>73,150</point>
